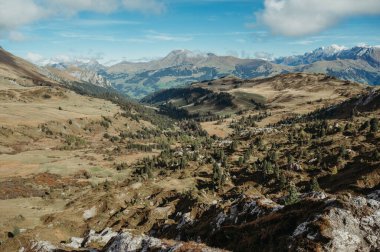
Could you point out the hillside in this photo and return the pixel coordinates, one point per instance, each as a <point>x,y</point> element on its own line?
<point>295,184</point>
<point>283,95</point>
<point>16,71</point>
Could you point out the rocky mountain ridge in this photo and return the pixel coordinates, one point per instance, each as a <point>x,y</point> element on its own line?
<point>370,54</point>
<point>182,67</point>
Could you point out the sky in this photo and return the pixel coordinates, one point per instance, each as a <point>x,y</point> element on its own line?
<point>139,30</point>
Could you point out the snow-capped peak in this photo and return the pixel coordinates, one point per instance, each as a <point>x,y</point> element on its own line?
<point>335,48</point>
<point>330,50</point>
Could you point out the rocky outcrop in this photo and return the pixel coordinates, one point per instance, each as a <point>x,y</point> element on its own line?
<point>91,77</point>
<point>41,246</point>
<point>128,242</point>
<point>350,224</point>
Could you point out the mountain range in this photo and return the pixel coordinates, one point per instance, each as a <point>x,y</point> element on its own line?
<point>182,67</point>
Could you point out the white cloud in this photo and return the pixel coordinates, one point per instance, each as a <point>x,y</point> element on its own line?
<point>40,60</point>
<point>302,17</point>
<point>17,13</point>
<point>264,55</point>
<point>35,58</point>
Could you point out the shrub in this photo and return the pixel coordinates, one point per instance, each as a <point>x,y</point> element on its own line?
<point>121,166</point>
<point>73,142</point>
<point>105,124</point>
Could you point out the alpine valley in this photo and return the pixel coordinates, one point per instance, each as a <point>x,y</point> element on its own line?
<point>263,159</point>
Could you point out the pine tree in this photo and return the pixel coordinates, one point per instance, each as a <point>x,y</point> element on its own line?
<point>314,186</point>
<point>268,168</point>
<point>218,176</point>
<point>254,167</point>
<point>246,156</point>
<point>276,171</point>
<point>273,156</point>
<point>183,163</point>
<point>234,146</point>
<point>293,196</point>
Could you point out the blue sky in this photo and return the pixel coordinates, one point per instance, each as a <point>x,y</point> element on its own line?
<point>115,30</point>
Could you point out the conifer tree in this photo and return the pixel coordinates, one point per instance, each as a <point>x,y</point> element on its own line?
<point>293,196</point>
<point>314,186</point>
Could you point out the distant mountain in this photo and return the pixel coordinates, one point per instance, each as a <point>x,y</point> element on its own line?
<point>182,67</point>
<point>359,64</point>
<point>178,68</point>
<point>87,72</point>
<point>369,54</point>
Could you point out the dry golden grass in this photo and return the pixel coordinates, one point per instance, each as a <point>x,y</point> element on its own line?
<point>27,214</point>
<point>30,110</point>
<point>219,130</point>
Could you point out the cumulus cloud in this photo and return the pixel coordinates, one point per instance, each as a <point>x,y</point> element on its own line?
<point>35,58</point>
<point>17,13</point>
<point>302,17</point>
